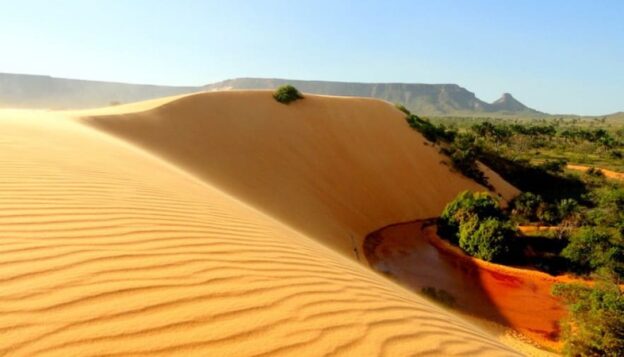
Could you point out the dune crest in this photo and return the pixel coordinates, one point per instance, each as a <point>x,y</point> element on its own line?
<point>335,168</point>
<point>108,250</point>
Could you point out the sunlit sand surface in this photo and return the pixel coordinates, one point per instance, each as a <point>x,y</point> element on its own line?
<point>217,224</point>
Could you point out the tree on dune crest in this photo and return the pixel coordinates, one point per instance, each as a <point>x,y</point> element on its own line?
<point>286,94</point>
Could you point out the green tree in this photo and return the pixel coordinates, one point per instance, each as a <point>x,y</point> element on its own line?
<point>467,205</point>
<point>547,213</point>
<point>402,108</point>
<point>595,325</point>
<point>592,249</point>
<point>489,239</point>
<point>554,166</point>
<point>286,94</point>
<point>524,207</point>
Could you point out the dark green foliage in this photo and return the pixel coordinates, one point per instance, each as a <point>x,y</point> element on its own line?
<point>574,140</point>
<point>608,210</point>
<point>495,133</point>
<point>466,205</point>
<point>524,207</point>
<point>478,225</point>
<point>440,295</point>
<point>595,326</point>
<point>464,155</point>
<point>286,94</point>
<point>431,132</point>
<point>554,166</point>
<point>489,239</point>
<point>616,154</point>
<point>593,249</point>
<point>529,178</point>
<point>459,148</point>
<point>529,207</point>
<point>592,171</point>
<point>569,211</point>
<point>547,214</point>
<point>402,108</point>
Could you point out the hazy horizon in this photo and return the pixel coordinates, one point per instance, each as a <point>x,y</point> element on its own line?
<point>559,57</point>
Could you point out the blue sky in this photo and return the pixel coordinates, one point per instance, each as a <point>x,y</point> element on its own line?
<point>556,56</point>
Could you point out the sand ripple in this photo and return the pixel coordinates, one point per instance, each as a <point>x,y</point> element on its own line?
<point>106,250</point>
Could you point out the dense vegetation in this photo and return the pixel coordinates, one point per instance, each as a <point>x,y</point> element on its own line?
<point>458,147</point>
<point>595,325</point>
<point>592,142</point>
<point>478,225</point>
<point>592,246</point>
<point>286,94</point>
<point>586,211</point>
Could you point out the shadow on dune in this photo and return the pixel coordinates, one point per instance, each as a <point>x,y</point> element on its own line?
<point>412,254</point>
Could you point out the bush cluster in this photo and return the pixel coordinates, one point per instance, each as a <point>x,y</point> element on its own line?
<point>596,249</point>
<point>595,324</point>
<point>530,207</point>
<point>475,222</point>
<point>286,94</point>
<point>464,155</point>
<point>459,148</point>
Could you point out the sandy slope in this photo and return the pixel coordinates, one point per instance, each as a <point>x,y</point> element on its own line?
<point>108,250</point>
<point>336,168</point>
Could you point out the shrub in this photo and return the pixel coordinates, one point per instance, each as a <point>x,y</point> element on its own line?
<point>594,249</point>
<point>609,207</point>
<point>547,214</point>
<point>489,239</point>
<point>595,326</point>
<point>568,208</point>
<point>402,108</point>
<point>464,154</point>
<point>467,205</point>
<point>431,132</point>
<point>475,221</point>
<point>286,94</point>
<point>554,166</point>
<point>616,154</point>
<point>529,178</point>
<point>525,206</point>
<point>594,172</point>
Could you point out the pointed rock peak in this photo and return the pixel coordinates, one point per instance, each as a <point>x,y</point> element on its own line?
<point>506,97</point>
<point>509,104</point>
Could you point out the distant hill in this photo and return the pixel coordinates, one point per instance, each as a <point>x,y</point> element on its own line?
<point>424,99</point>
<point>44,92</point>
<point>616,116</point>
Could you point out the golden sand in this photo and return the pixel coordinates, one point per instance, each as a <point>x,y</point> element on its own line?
<point>232,236</point>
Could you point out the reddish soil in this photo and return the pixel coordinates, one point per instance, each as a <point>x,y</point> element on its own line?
<point>520,299</point>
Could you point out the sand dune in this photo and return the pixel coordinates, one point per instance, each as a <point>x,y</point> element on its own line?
<point>335,168</point>
<point>109,250</point>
